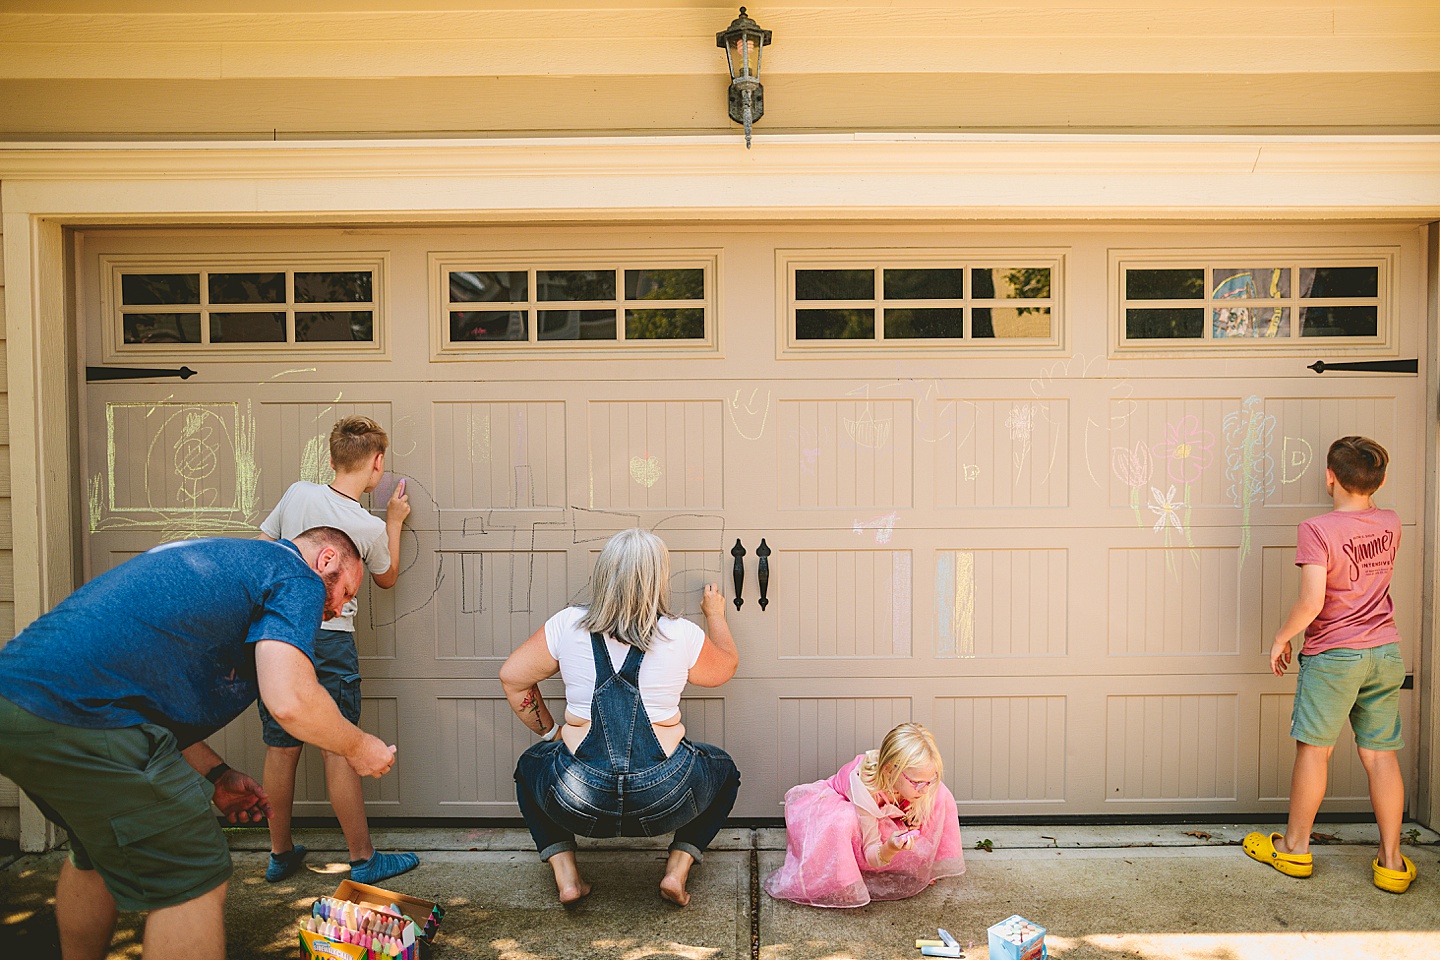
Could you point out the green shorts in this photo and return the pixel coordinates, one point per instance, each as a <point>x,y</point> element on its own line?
<point>1363,685</point>
<point>135,810</point>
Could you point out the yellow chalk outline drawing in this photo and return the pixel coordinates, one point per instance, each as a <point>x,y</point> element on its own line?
<point>194,457</point>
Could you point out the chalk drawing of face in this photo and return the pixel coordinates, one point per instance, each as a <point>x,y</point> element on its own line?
<point>1186,449</point>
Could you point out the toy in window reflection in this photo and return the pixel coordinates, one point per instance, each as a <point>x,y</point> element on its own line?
<point>1248,321</point>
<point>162,336</point>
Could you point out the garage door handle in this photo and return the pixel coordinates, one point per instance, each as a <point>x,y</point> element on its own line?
<point>134,373</point>
<point>1369,366</point>
<point>763,574</point>
<point>738,552</point>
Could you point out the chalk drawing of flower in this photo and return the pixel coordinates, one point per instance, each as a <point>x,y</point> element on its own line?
<point>1186,449</point>
<point>1167,508</point>
<point>1021,421</point>
<point>1133,467</point>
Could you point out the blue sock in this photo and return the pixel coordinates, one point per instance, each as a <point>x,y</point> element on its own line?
<point>382,866</point>
<point>282,865</point>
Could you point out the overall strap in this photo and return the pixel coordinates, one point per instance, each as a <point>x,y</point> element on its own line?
<point>630,669</point>
<point>603,669</point>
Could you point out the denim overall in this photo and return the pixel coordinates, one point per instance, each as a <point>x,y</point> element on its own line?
<point>619,783</point>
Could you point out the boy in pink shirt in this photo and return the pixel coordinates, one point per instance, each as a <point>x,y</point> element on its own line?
<point>1350,663</point>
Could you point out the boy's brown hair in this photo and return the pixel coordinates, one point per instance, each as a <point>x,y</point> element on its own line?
<point>354,440</point>
<point>1358,464</point>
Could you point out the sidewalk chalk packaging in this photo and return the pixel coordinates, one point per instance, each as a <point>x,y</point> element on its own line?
<point>1016,938</point>
<point>361,922</point>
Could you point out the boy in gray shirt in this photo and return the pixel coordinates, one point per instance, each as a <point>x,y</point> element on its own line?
<point>357,454</point>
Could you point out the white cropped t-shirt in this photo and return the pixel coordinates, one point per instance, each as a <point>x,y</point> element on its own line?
<point>663,672</point>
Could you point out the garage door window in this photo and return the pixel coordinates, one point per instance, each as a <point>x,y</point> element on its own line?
<point>235,310</point>
<point>1236,301</point>
<point>923,304</point>
<point>643,304</point>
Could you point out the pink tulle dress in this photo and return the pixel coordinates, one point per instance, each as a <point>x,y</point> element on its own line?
<point>825,863</point>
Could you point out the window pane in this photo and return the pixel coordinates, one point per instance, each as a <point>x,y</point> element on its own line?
<point>1017,322</point>
<point>1173,324</point>
<point>1255,283</point>
<point>924,285</point>
<point>904,323</point>
<point>677,324</point>
<point>473,286</point>
<point>334,326</point>
<point>834,324</point>
<point>162,327</point>
<point>1339,321</point>
<point>577,324</point>
<point>1340,282</point>
<point>473,326</point>
<point>247,287</point>
<point>664,285</point>
<point>834,284</point>
<point>353,287</point>
<point>1250,321</point>
<point>247,328</point>
<point>1165,285</point>
<point>991,283</point>
<point>146,288</point>
<point>574,285</point>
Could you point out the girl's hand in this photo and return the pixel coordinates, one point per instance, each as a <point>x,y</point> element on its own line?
<point>900,841</point>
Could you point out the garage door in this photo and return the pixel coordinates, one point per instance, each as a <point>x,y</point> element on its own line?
<point>1035,487</point>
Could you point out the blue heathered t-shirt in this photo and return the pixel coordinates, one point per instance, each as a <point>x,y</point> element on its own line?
<point>165,638</point>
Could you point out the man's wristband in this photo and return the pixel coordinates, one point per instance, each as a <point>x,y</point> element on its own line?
<point>218,771</point>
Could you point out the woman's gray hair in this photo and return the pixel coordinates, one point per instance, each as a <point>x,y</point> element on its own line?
<point>630,590</point>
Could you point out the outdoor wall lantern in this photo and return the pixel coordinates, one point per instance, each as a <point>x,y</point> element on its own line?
<point>743,43</point>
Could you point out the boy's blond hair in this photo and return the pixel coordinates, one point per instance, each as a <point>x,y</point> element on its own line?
<point>354,440</point>
<point>1358,464</point>
<point>908,745</point>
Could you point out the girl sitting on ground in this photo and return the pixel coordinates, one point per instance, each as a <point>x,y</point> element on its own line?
<point>883,828</point>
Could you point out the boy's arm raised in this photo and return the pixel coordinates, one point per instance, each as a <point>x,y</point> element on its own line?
<point>1306,608</point>
<point>395,513</point>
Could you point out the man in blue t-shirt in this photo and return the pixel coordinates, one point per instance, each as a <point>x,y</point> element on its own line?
<point>105,702</point>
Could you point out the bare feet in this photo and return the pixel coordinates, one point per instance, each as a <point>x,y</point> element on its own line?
<point>571,887</point>
<point>571,895</point>
<point>677,872</point>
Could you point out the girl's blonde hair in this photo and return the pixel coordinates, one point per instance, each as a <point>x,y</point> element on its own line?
<point>630,590</point>
<point>908,745</point>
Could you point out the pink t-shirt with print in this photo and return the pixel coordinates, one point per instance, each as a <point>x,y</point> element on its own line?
<point>1357,550</point>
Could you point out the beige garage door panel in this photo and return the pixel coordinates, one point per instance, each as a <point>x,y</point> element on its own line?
<point>1069,570</point>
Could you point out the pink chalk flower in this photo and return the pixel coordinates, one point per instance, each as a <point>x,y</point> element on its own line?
<point>1186,449</point>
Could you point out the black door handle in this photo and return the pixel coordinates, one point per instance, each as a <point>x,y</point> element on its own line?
<point>93,374</point>
<point>738,552</point>
<point>763,575</point>
<point>1369,366</point>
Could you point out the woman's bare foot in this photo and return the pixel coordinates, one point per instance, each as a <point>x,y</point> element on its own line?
<point>571,887</point>
<point>677,872</point>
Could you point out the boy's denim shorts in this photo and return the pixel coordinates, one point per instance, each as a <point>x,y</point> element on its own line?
<point>337,667</point>
<point>1363,685</point>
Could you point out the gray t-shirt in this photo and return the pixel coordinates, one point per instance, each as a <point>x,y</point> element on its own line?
<point>307,505</point>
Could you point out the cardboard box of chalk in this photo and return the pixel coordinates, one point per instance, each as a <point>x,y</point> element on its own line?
<point>425,916</point>
<point>1016,938</point>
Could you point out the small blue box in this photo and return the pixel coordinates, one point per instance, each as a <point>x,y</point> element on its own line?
<point>1016,938</point>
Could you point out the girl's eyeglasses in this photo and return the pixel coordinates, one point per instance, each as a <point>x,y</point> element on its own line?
<point>920,786</point>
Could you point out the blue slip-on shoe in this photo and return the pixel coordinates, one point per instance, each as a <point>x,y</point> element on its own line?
<point>283,865</point>
<point>382,866</point>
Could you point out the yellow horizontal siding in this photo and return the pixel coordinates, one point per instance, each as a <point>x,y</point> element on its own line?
<point>798,55</point>
<point>296,109</point>
<point>657,21</point>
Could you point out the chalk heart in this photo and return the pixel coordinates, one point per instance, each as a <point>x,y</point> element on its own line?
<point>644,470</point>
